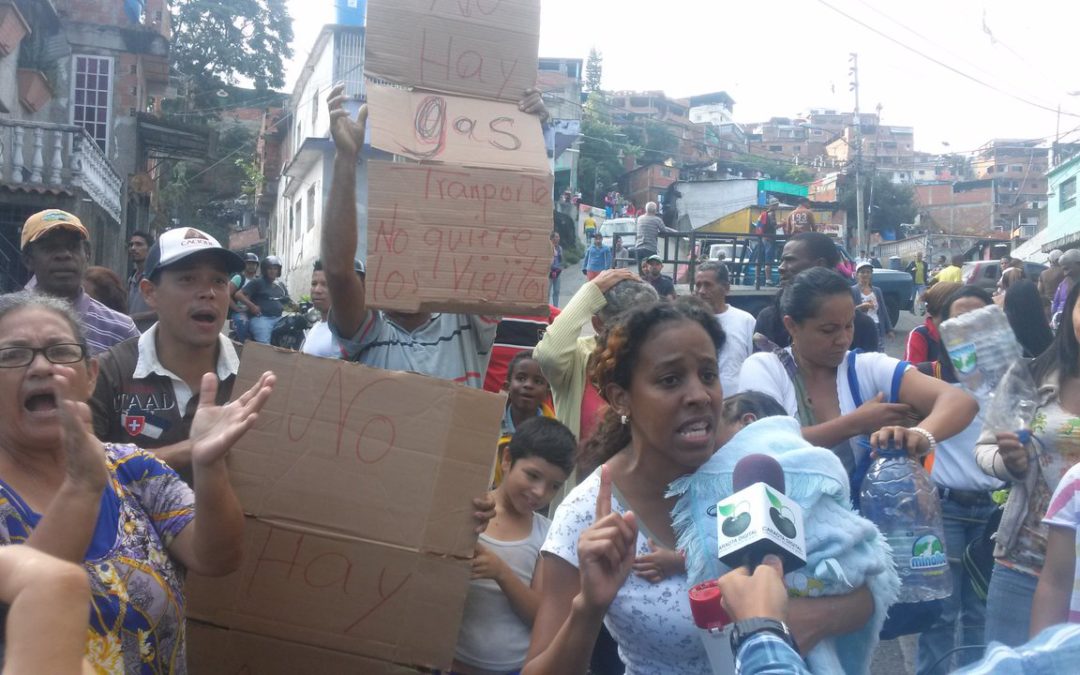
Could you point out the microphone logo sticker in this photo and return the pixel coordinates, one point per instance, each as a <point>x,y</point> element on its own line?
<point>736,518</point>
<point>928,553</point>
<point>781,516</point>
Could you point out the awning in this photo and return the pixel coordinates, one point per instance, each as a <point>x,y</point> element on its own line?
<point>1032,249</point>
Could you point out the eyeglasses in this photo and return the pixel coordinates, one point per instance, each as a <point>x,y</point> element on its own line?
<point>63,353</point>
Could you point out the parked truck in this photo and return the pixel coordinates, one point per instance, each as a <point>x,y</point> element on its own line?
<point>750,290</point>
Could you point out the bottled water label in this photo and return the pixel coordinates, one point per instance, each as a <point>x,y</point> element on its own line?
<point>922,565</point>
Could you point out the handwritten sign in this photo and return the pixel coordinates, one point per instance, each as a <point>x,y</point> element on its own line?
<point>451,238</point>
<point>438,127</point>
<point>358,486</point>
<point>219,651</point>
<point>481,48</point>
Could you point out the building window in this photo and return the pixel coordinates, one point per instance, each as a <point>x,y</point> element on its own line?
<point>776,148</point>
<point>91,94</point>
<point>299,219</point>
<point>311,207</point>
<point>666,173</point>
<point>1067,200</point>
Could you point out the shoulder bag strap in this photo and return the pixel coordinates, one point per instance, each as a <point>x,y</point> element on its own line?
<point>806,411</point>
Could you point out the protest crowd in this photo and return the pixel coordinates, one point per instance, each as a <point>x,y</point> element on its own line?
<point>627,414</point>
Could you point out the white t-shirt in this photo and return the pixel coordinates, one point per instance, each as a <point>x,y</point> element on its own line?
<point>763,372</point>
<point>954,462</point>
<point>492,636</point>
<point>320,341</point>
<point>1064,511</point>
<point>738,326</point>
<point>872,299</point>
<point>650,622</point>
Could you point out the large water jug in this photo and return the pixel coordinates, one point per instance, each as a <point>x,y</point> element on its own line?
<point>899,497</point>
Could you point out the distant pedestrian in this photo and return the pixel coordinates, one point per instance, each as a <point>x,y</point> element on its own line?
<point>765,251</point>
<point>556,267</point>
<point>1050,279</point>
<point>597,258</point>
<point>801,219</point>
<point>649,227</point>
<point>139,244</point>
<point>652,272</point>
<point>917,268</point>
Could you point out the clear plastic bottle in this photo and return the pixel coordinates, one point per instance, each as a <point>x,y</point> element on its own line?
<point>982,347</point>
<point>898,496</point>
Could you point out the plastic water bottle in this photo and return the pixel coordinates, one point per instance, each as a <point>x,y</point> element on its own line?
<point>898,496</point>
<point>982,347</point>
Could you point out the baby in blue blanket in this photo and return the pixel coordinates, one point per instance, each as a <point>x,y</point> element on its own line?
<point>844,550</point>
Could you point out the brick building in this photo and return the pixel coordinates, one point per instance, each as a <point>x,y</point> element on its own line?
<point>74,78</point>
<point>1017,169</point>
<point>646,183</point>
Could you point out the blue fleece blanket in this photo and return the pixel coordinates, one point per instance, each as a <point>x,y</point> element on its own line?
<point>844,550</point>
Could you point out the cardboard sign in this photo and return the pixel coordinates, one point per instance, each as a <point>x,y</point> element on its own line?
<point>426,126</point>
<point>218,651</point>
<point>358,485</point>
<point>450,238</point>
<point>481,48</point>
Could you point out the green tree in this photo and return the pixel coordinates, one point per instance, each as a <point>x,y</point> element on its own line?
<point>656,139</point>
<point>225,42</point>
<point>594,71</point>
<point>603,147</point>
<point>887,204</point>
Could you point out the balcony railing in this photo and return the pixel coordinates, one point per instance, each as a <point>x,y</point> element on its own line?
<point>62,156</point>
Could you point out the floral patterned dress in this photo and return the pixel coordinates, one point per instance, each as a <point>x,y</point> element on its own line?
<point>137,609</point>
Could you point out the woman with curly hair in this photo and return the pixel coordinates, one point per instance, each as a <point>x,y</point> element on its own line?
<point>657,370</point>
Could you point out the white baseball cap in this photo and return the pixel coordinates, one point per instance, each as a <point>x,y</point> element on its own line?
<point>183,242</point>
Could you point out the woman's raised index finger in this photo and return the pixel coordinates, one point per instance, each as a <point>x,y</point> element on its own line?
<point>603,495</point>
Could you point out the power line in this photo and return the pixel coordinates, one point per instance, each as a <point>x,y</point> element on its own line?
<point>948,67</point>
<point>925,39</point>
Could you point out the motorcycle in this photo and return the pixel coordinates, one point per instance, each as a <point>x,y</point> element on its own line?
<point>291,329</point>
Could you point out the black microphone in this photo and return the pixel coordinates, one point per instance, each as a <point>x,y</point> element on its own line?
<point>759,519</point>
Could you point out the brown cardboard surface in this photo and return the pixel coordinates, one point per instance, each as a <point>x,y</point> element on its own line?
<point>482,48</point>
<point>450,238</point>
<point>218,651</point>
<point>358,485</point>
<point>439,127</point>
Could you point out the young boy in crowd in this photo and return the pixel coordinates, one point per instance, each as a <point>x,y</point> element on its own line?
<point>502,600</point>
<point>529,395</point>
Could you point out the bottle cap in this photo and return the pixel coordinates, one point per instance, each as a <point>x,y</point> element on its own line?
<point>706,607</point>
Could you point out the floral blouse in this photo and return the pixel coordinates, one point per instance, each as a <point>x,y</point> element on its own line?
<point>137,609</point>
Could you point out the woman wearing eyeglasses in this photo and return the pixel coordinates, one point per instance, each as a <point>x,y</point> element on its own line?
<point>117,510</point>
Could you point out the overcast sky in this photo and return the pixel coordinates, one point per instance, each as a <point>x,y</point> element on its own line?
<point>783,57</point>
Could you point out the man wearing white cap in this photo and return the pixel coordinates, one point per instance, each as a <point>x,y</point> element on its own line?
<point>56,249</point>
<point>148,388</point>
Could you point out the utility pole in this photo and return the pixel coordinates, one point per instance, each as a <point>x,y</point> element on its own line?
<point>861,240</point>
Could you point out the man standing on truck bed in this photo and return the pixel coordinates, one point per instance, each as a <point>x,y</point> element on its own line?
<point>648,227</point>
<point>801,219</point>
<point>803,251</point>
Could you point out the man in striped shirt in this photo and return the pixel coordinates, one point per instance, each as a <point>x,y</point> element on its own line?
<point>56,249</point>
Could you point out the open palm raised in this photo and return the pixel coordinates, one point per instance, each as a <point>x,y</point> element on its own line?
<point>348,133</point>
<point>217,427</point>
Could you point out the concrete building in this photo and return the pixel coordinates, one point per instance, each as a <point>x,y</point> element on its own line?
<point>1017,169</point>
<point>75,79</point>
<point>886,150</point>
<point>560,80</point>
<point>962,208</point>
<point>301,139</point>
<point>1063,209</point>
<point>646,183</point>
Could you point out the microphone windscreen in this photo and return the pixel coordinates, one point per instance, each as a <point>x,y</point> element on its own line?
<point>758,468</point>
